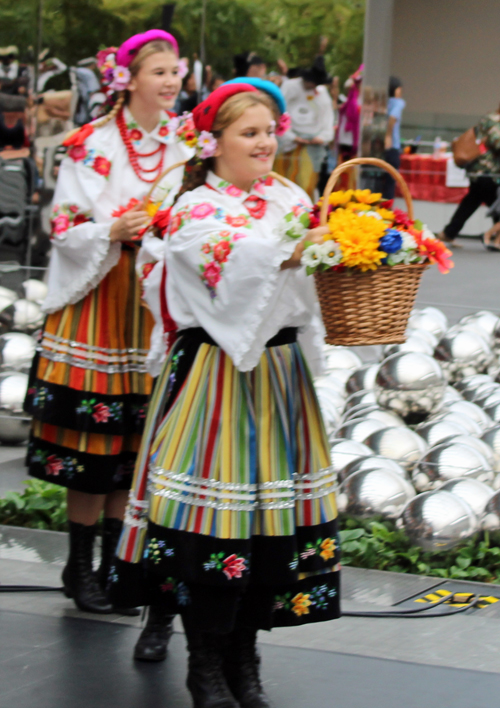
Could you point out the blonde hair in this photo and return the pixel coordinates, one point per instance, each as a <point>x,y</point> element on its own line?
<point>147,50</point>
<point>195,173</point>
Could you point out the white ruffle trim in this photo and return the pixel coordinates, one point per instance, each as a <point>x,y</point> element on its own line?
<point>105,256</point>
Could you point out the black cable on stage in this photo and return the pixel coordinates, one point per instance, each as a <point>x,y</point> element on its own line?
<point>419,612</point>
<point>29,588</point>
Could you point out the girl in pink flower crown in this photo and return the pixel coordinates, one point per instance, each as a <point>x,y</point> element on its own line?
<point>91,366</point>
<point>232,516</point>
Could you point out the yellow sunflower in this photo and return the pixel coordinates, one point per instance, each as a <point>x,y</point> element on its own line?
<point>386,214</point>
<point>366,197</point>
<point>358,238</point>
<point>340,198</point>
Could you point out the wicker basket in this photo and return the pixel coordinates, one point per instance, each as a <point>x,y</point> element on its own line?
<point>373,307</point>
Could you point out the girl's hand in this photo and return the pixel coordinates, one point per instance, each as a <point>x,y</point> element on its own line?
<point>129,224</point>
<point>313,236</point>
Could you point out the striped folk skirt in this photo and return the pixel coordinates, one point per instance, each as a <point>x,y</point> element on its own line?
<point>233,502</point>
<point>89,388</point>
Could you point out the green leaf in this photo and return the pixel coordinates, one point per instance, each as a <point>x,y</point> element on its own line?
<point>419,225</point>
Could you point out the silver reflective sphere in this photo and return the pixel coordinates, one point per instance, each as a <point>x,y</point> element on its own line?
<point>360,411</point>
<point>359,429</point>
<point>438,314</point>
<point>329,412</point>
<point>7,312</point>
<point>35,290</point>
<point>472,382</point>
<point>363,379</point>
<point>434,432</point>
<point>16,351</point>
<point>465,421</point>
<point>486,388</point>
<point>451,394</point>
<point>28,316</point>
<point>475,493</point>
<point>412,344</point>
<point>490,395</point>
<point>373,462</point>
<point>481,446</point>
<point>491,400</point>
<point>400,444</point>
<point>362,397</point>
<point>437,521</point>
<point>471,410</point>
<point>7,294</point>
<point>474,329</point>
<point>424,334</point>
<point>420,319</point>
<point>450,460</point>
<point>331,383</point>
<point>410,384</point>
<point>390,419</point>
<point>492,438</point>
<point>342,358</point>
<point>372,492</point>
<point>493,412</point>
<point>344,452</point>
<point>462,354</point>
<point>14,424</point>
<point>491,516</point>
<point>484,319</point>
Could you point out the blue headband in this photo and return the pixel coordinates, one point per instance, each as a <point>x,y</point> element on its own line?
<point>263,85</point>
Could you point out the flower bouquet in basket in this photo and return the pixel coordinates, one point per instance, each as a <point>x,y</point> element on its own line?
<point>369,267</point>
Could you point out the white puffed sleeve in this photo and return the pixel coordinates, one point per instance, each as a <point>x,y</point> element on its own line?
<point>82,253</point>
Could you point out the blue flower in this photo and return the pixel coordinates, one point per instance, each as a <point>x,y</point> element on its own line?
<point>391,241</point>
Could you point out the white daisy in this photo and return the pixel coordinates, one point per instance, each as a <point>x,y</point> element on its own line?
<point>312,256</point>
<point>409,243</point>
<point>331,254</point>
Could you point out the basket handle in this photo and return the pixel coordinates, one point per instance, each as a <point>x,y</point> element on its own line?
<point>364,161</point>
<point>159,179</point>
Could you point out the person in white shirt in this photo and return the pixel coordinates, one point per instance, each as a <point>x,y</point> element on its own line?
<point>232,516</point>
<point>310,107</point>
<point>89,386</point>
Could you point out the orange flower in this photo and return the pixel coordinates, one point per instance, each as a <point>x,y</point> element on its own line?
<point>328,548</point>
<point>301,604</point>
<point>434,250</point>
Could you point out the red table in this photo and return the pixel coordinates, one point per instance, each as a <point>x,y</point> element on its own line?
<point>426,178</point>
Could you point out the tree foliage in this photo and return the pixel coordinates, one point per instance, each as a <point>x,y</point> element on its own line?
<point>290,29</point>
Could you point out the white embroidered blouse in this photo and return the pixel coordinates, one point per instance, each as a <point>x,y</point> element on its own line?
<point>224,252</point>
<point>95,180</point>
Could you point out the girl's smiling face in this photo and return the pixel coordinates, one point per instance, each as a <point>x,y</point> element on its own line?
<point>246,149</point>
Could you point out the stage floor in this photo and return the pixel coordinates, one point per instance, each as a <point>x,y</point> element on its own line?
<point>64,662</point>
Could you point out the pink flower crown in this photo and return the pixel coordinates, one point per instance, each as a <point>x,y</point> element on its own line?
<point>115,77</point>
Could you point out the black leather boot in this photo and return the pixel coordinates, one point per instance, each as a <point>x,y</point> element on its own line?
<point>78,576</point>
<point>111,530</point>
<point>242,669</point>
<point>153,641</point>
<point>206,681</point>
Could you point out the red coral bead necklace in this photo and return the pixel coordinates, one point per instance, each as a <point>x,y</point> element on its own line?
<point>134,156</point>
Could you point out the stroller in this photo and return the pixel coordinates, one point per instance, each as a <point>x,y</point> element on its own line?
<point>17,214</point>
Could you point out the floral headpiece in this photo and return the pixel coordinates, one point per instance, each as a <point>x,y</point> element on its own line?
<point>113,63</point>
<point>185,130</point>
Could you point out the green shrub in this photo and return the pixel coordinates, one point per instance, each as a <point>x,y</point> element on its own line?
<point>39,506</point>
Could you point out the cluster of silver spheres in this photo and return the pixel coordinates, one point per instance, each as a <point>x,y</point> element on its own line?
<point>20,318</point>
<point>415,437</point>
